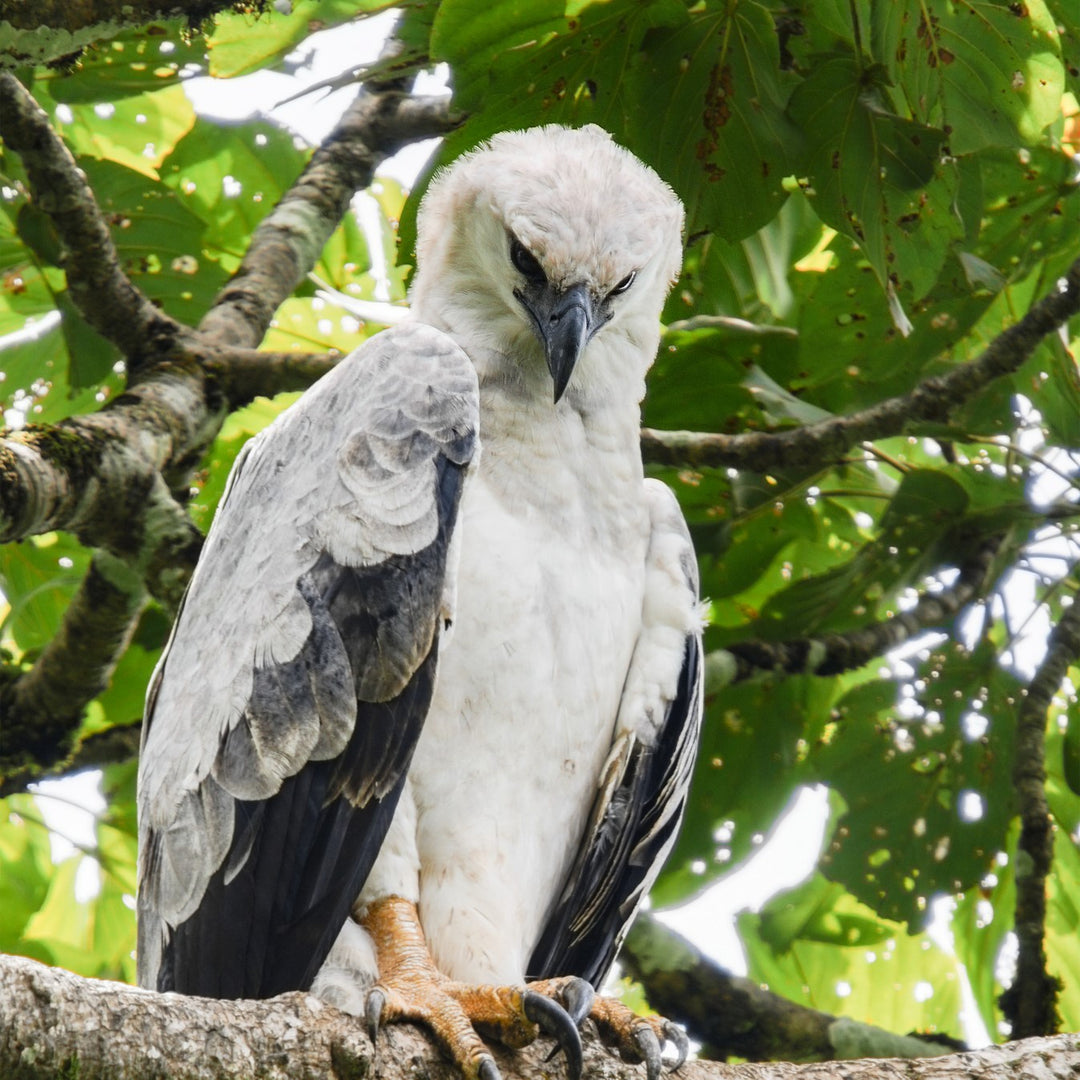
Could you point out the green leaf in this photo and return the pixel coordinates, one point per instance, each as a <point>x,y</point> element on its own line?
<point>819,948</point>
<point>158,239</point>
<point>25,870</point>
<point>1067,19</point>
<point>138,131</point>
<point>136,61</point>
<point>745,775</point>
<point>875,176</point>
<point>38,578</point>
<point>243,42</point>
<point>1070,756</point>
<point>720,132</point>
<point>230,179</point>
<point>988,73</point>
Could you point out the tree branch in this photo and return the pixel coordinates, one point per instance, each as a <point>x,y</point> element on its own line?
<point>251,373</point>
<point>288,242</point>
<point>735,1017</point>
<point>104,295</point>
<point>1030,1003</point>
<point>831,654</point>
<point>43,707</point>
<point>108,747</point>
<point>96,476</point>
<point>932,400</point>
<point>53,1023</point>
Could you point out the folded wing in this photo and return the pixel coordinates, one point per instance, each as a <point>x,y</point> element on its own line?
<point>284,712</point>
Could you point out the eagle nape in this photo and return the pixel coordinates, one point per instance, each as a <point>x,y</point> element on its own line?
<point>411,988</point>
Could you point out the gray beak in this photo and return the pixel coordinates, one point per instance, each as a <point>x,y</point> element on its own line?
<point>569,327</point>
<point>564,323</point>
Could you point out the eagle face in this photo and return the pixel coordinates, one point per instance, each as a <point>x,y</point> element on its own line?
<point>543,243</point>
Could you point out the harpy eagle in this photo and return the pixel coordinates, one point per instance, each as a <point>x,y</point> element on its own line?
<point>423,733</point>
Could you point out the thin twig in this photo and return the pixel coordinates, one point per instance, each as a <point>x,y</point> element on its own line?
<point>831,654</point>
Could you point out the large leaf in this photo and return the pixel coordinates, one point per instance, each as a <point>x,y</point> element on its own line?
<point>876,176</point>
<point>136,130</point>
<point>745,775</point>
<point>243,42</point>
<point>989,73</point>
<point>817,946</point>
<point>230,179</point>
<point>711,100</point>
<point>134,62</point>
<point>38,578</point>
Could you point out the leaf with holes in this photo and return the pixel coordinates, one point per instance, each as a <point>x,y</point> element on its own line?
<point>987,73</point>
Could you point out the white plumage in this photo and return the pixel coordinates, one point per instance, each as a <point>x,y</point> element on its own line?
<point>411,667</point>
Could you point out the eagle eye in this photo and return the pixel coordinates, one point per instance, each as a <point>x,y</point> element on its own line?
<point>525,261</point>
<point>624,284</point>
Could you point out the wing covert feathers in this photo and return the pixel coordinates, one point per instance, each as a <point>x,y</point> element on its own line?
<point>283,713</point>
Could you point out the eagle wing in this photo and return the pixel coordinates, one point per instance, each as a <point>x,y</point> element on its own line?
<point>643,791</point>
<point>282,717</point>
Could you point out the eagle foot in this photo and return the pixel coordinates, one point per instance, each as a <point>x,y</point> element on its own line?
<point>639,1038</point>
<point>411,988</point>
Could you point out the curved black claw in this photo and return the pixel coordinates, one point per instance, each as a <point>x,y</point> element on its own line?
<point>488,1070</point>
<point>373,1010</point>
<point>649,1047</point>
<point>677,1037</point>
<point>577,998</point>
<point>554,1020</point>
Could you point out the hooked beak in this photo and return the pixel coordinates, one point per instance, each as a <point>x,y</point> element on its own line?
<point>564,322</point>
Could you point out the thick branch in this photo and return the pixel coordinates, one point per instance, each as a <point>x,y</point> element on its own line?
<point>288,242</point>
<point>932,400</point>
<point>108,300</point>
<point>250,373</point>
<point>735,1017</point>
<point>156,548</point>
<point>831,654</point>
<point>97,477</point>
<point>53,1023</point>
<point>89,474</point>
<point>1030,1004</point>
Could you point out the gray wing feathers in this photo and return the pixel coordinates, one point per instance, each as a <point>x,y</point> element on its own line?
<point>249,690</point>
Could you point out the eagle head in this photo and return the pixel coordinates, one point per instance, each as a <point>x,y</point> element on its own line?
<point>550,247</point>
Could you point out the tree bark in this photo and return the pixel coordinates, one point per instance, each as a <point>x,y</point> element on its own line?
<point>53,1023</point>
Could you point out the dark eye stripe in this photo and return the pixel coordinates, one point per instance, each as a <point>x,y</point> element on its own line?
<point>524,260</point>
